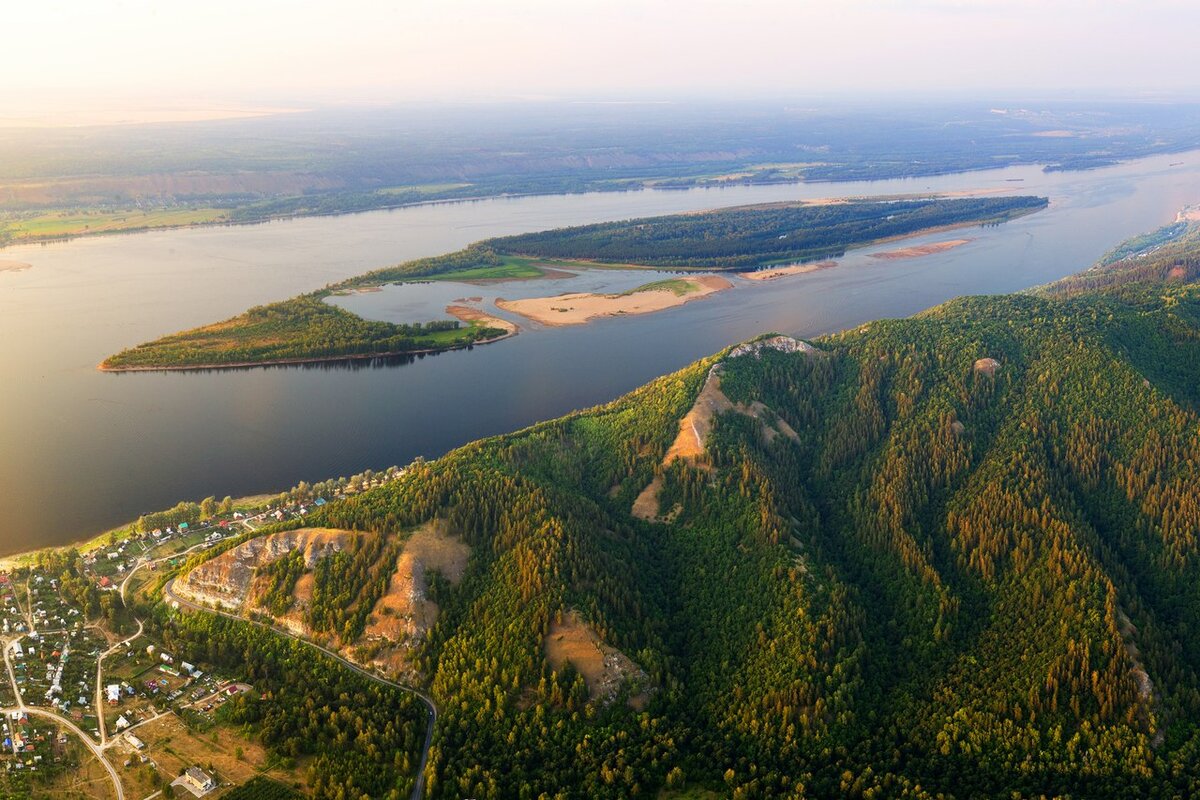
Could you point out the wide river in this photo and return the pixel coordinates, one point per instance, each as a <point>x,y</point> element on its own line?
<point>81,451</point>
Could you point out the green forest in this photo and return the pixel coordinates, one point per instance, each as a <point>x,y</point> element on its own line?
<point>746,237</point>
<point>307,328</point>
<point>973,572</point>
<point>304,328</point>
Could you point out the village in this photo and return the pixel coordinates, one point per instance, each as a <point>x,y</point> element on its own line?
<point>82,696</point>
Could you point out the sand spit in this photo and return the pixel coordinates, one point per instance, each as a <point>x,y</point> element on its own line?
<point>578,308</point>
<point>469,314</point>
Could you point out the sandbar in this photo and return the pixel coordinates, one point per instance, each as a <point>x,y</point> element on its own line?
<point>14,266</point>
<point>771,274</point>
<point>916,251</point>
<point>578,308</point>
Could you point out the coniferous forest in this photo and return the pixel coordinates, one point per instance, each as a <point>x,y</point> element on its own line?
<point>972,570</point>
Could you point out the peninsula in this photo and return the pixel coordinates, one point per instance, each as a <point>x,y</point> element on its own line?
<point>308,329</point>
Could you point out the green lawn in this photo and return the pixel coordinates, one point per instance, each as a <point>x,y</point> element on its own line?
<point>513,268</point>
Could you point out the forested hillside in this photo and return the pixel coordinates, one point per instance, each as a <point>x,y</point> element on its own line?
<point>971,569</point>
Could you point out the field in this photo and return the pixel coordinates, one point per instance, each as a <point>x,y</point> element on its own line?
<point>62,224</point>
<point>171,747</point>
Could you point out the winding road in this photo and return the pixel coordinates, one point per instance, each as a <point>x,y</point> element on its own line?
<point>418,791</point>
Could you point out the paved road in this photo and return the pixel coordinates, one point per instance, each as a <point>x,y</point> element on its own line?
<point>71,726</point>
<point>419,784</point>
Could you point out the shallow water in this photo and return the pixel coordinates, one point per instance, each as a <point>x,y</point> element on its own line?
<point>81,450</point>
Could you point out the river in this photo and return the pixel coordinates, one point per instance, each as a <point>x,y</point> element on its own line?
<point>81,451</point>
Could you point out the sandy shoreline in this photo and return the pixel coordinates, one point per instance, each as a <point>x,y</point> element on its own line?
<point>916,251</point>
<point>478,316</point>
<point>14,266</point>
<point>771,274</point>
<point>579,308</point>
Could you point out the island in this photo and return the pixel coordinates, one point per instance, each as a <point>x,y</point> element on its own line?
<point>309,329</point>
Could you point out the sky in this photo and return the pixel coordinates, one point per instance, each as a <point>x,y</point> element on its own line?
<point>70,57</point>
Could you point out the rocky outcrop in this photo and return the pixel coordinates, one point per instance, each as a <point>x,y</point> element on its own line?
<point>225,581</point>
<point>987,366</point>
<point>784,344</point>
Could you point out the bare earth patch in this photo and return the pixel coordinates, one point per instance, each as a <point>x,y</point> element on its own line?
<point>605,669</point>
<point>578,308</point>
<point>405,614</point>
<point>695,426</point>
<point>916,251</point>
<point>773,273</point>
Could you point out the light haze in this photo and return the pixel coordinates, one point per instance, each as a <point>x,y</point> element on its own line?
<point>66,59</point>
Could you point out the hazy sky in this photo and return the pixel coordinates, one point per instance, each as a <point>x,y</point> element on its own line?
<point>60,54</point>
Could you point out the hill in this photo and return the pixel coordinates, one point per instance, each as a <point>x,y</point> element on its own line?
<point>956,555</point>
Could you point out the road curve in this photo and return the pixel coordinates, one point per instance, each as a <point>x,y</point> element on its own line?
<point>418,791</point>
<point>66,723</point>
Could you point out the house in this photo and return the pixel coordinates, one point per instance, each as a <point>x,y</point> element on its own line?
<point>113,691</point>
<point>137,743</point>
<point>167,658</point>
<point>122,723</point>
<point>199,779</point>
<point>105,583</point>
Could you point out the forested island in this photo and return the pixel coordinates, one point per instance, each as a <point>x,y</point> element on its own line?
<point>957,557</point>
<point>309,329</point>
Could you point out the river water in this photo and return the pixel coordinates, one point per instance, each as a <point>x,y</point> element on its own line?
<point>81,451</point>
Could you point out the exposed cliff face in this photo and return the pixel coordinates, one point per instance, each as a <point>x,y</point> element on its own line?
<point>405,614</point>
<point>226,580</point>
<point>695,426</point>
